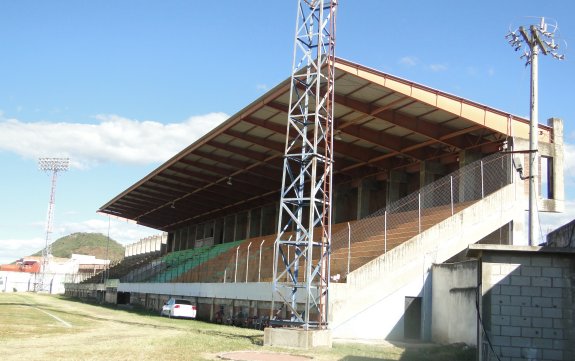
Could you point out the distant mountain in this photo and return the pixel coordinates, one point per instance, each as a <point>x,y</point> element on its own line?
<point>93,244</point>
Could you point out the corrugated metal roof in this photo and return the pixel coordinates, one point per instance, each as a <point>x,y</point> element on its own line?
<point>381,123</point>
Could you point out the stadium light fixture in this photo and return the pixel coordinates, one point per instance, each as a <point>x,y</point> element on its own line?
<point>531,41</point>
<point>53,165</point>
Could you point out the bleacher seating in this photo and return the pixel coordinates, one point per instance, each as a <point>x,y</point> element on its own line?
<point>405,225</point>
<point>123,267</point>
<point>241,261</point>
<point>178,263</point>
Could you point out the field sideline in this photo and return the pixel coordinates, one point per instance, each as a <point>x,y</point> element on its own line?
<point>36,326</point>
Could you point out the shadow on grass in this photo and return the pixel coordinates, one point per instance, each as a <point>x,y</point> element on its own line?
<point>454,352</point>
<point>364,358</point>
<point>256,340</point>
<point>411,351</point>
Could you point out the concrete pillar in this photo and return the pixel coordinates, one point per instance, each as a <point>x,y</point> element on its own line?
<point>254,217</point>
<point>235,228</point>
<point>426,306</point>
<point>429,172</point>
<point>363,196</point>
<point>395,183</point>
<point>519,237</point>
<point>558,182</point>
<point>170,243</point>
<point>249,224</point>
<point>467,157</point>
<point>218,231</point>
<point>469,185</point>
<point>338,206</point>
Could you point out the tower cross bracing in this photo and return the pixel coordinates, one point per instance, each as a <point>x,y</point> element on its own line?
<point>306,191</point>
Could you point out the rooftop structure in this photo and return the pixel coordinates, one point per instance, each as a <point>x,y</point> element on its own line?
<point>382,124</point>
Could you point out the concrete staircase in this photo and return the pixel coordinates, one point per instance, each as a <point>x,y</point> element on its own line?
<point>374,293</point>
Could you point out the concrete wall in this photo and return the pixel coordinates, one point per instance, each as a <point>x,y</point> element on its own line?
<point>24,282</point>
<point>252,290</point>
<point>146,245</point>
<point>454,296</point>
<point>528,303</point>
<point>91,291</point>
<point>563,236</point>
<point>380,318</point>
<point>555,153</point>
<point>371,304</point>
<point>16,281</point>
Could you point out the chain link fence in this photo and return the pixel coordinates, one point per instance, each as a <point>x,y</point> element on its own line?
<point>353,244</point>
<point>404,219</point>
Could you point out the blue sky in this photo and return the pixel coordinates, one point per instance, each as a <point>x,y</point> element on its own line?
<point>121,86</point>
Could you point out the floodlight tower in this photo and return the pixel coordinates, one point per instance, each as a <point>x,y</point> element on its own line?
<point>533,40</point>
<point>307,173</point>
<point>53,165</point>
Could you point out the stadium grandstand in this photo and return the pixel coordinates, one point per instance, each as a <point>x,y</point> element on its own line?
<point>419,175</point>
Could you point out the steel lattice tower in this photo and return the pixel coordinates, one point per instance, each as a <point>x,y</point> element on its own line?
<point>53,165</point>
<point>307,173</point>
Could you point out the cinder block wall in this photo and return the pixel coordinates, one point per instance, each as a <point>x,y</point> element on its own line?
<point>528,305</point>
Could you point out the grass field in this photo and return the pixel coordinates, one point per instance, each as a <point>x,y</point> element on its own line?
<point>35,326</point>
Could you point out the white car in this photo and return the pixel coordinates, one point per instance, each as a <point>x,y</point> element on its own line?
<point>176,307</point>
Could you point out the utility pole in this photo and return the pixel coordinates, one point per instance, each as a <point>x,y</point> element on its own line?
<point>534,40</point>
<point>306,191</point>
<point>53,165</point>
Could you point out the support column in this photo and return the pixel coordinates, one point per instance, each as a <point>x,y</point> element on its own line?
<point>467,157</point>
<point>395,185</point>
<point>219,231</point>
<point>363,197</point>
<point>429,172</point>
<point>468,187</point>
<point>558,182</point>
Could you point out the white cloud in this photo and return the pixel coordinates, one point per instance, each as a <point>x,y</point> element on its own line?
<point>14,249</point>
<point>262,87</point>
<point>113,139</point>
<point>472,71</point>
<point>437,67</point>
<point>409,61</point>
<point>412,61</point>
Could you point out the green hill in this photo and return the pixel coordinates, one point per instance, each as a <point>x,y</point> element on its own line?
<point>93,244</point>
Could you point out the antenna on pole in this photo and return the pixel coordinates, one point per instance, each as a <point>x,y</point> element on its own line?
<point>53,165</point>
<point>538,38</point>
